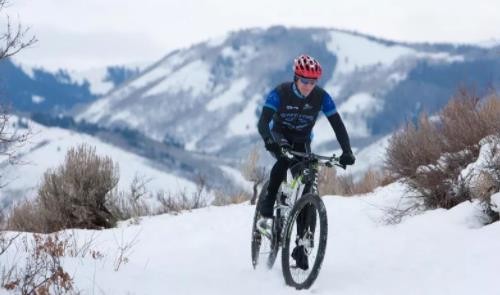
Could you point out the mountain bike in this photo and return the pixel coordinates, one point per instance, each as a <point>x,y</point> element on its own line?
<point>300,219</point>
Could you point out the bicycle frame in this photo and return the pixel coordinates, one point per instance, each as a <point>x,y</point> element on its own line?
<point>292,190</point>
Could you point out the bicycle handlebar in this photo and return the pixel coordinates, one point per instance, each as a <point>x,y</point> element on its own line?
<point>323,160</point>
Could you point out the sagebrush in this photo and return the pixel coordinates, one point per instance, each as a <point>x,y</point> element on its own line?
<point>430,155</point>
<point>71,196</point>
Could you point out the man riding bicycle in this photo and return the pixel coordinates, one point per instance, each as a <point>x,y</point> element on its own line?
<point>286,123</point>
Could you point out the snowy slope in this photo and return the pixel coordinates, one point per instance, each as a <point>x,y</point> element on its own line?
<point>200,252</point>
<point>47,148</point>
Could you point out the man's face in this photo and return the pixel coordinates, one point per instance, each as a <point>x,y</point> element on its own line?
<point>305,85</point>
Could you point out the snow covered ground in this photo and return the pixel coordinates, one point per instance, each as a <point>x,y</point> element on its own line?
<point>207,251</point>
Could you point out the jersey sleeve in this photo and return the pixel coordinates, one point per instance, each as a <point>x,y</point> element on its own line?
<point>328,106</point>
<point>272,101</point>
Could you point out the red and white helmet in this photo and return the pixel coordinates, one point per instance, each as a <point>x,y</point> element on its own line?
<point>307,67</point>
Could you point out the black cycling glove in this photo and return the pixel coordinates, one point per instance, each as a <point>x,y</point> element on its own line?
<point>347,158</point>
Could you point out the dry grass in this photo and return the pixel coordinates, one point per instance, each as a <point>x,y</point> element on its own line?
<point>26,216</point>
<point>223,199</point>
<point>133,205</point>
<point>332,184</point>
<point>182,201</point>
<point>41,271</point>
<point>126,205</point>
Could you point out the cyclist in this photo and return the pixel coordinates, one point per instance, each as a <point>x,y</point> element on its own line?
<point>288,116</point>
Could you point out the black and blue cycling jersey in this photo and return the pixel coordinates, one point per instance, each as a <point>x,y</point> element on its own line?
<point>288,114</point>
<point>328,106</point>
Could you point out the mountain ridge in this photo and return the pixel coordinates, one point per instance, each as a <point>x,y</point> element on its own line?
<point>208,95</point>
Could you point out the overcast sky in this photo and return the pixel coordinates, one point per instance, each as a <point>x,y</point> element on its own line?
<point>81,34</point>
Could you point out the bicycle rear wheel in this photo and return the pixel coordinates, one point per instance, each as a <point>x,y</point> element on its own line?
<point>306,233</point>
<point>264,250</point>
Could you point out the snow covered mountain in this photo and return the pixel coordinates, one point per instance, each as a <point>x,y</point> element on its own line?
<point>207,97</point>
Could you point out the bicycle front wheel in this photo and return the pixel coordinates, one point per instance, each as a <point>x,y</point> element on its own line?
<point>304,242</point>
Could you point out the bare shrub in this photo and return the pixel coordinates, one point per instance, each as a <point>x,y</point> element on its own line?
<point>123,207</point>
<point>199,198</point>
<point>77,190</point>
<point>394,215</point>
<point>253,172</point>
<point>71,196</point>
<point>124,250</point>
<point>42,272</point>
<point>439,184</point>
<point>172,204</point>
<point>126,205</point>
<point>412,147</point>
<point>488,181</point>
<point>466,119</point>
<point>13,37</point>
<point>12,40</point>
<point>430,157</point>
